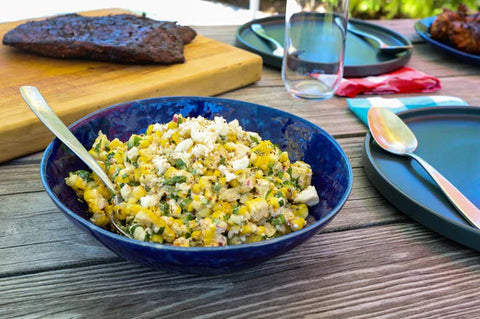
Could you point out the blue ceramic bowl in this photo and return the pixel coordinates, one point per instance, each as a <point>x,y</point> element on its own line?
<point>332,177</point>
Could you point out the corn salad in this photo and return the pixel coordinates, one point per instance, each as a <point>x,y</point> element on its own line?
<point>197,182</point>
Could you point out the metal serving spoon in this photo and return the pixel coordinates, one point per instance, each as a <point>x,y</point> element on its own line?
<point>260,31</point>
<point>394,136</point>
<point>382,46</point>
<point>42,110</point>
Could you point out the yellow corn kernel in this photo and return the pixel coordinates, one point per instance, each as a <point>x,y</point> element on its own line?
<point>115,143</point>
<point>133,209</point>
<point>146,141</point>
<point>229,146</point>
<point>217,173</point>
<point>175,137</point>
<point>243,210</point>
<point>253,239</point>
<point>274,202</point>
<point>260,231</point>
<point>204,182</point>
<point>249,228</point>
<point>172,125</point>
<point>283,157</point>
<point>240,172</point>
<point>204,212</point>
<point>208,193</point>
<point>100,219</point>
<point>222,180</point>
<point>138,192</point>
<point>232,137</point>
<point>149,129</point>
<point>297,223</point>
<point>234,183</point>
<point>196,234</point>
<point>218,214</point>
<point>210,233</point>
<point>168,234</point>
<point>156,238</point>
<point>301,211</point>
<point>171,171</point>
<point>196,188</point>
<point>190,207</point>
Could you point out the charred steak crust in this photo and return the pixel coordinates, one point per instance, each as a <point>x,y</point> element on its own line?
<point>122,38</point>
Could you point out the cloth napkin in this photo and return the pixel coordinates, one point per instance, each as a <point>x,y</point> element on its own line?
<point>360,106</point>
<point>403,80</point>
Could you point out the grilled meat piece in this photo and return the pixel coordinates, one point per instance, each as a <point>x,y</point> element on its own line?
<point>458,29</point>
<point>119,38</point>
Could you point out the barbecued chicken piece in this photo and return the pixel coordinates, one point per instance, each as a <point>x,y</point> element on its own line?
<point>465,36</point>
<point>458,29</point>
<point>439,30</point>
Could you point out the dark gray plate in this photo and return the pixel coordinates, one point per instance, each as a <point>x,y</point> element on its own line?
<point>361,58</point>
<point>448,138</point>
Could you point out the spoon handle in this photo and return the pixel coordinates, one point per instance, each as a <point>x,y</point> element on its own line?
<point>469,211</point>
<point>42,110</point>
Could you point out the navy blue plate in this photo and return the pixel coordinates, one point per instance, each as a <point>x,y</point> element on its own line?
<point>361,58</point>
<point>449,139</point>
<point>423,29</point>
<point>332,177</point>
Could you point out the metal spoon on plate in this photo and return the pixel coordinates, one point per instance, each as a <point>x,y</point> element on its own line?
<point>260,31</point>
<point>394,136</point>
<point>42,110</point>
<point>382,46</point>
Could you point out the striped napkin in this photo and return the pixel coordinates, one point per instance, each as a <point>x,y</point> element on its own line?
<point>360,106</point>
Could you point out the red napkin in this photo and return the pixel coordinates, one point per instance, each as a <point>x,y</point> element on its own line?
<point>404,80</point>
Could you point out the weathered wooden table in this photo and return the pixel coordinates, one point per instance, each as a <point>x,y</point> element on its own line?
<point>371,261</point>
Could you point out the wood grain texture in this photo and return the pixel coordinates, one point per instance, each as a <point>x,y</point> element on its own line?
<point>371,261</point>
<point>75,88</point>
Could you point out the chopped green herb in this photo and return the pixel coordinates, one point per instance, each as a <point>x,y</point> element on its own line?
<point>222,160</point>
<point>281,174</point>
<point>134,141</point>
<point>216,187</point>
<point>85,175</point>
<point>268,193</point>
<point>133,183</point>
<point>180,164</point>
<point>235,210</point>
<point>184,203</point>
<point>176,179</point>
<point>254,139</point>
<point>97,147</point>
<point>165,208</point>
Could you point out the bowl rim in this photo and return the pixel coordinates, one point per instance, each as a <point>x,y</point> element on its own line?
<point>167,247</point>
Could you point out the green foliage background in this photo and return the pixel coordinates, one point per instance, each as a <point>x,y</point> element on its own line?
<point>394,9</point>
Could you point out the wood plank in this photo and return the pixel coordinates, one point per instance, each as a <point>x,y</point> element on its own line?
<point>396,270</point>
<point>75,88</point>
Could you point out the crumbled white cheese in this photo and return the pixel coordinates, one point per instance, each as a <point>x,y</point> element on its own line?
<point>149,201</point>
<point>132,153</point>
<point>240,164</point>
<point>161,164</point>
<point>184,145</point>
<point>126,191</point>
<point>308,196</point>
<point>200,150</point>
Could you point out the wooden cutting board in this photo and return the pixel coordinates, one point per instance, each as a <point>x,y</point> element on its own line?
<point>74,88</point>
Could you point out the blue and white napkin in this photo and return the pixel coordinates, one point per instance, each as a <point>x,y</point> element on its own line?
<point>360,106</point>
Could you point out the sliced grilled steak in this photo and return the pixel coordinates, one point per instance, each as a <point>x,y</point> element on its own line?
<point>118,38</point>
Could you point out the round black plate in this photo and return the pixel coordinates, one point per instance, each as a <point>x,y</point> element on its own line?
<point>423,26</point>
<point>361,58</point>
<point>449,139</point>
